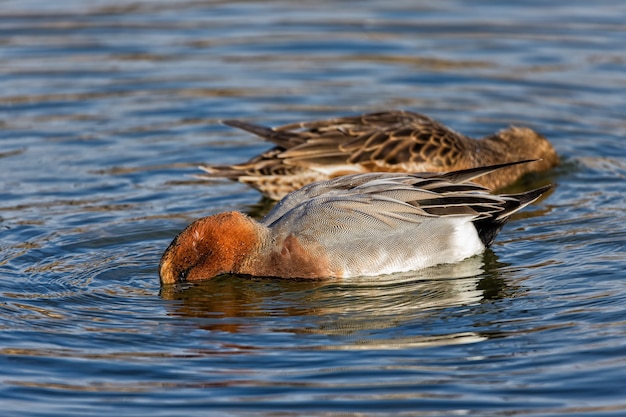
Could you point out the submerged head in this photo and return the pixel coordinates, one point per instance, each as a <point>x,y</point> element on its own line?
<point>514,144</point>
<point>208,247</point>
<point>525,143</point>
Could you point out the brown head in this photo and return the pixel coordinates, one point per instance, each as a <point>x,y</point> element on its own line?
<point>524,143</point>
<point>513,144</point>
<point>209,247</point>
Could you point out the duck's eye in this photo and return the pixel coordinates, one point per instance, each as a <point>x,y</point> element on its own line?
<point>183,275</point>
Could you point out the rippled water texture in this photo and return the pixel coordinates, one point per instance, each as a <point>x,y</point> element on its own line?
<point>106,108</point>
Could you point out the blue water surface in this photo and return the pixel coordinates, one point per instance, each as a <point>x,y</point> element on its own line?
<point>107,108</point>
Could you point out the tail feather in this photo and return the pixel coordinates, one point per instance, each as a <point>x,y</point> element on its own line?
<point>521,200</point>
<point>469,174</point>
<point>488,228</point>
<point>282,139</point>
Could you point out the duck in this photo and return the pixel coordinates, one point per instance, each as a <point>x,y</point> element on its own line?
<point>366,224</point>
<point>390,141</point>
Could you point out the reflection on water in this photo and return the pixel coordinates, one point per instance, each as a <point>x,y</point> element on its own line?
<point>358,307</point>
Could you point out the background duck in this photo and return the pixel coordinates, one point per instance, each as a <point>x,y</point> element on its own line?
<point>391,141</point>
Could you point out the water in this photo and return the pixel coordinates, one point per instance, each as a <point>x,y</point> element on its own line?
<point>106,108</point>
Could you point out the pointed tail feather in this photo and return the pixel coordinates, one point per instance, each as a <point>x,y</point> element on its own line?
<point>489,227</point>
<point>282,139</point>
<point>465,175</point>
<point>521,200</point>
